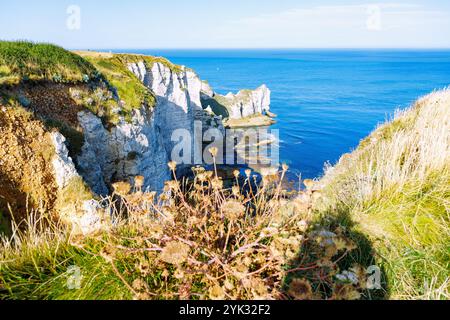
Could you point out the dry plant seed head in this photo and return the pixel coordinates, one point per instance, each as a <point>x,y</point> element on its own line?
<point>300,289</point>
<point>236,173</point>
<point>285,167</point>
<point>139,182</point>
<point>213,151</point>
<point>233,209</point>
<point>149,196</point>
<point>217,184</point>
<point>172,165</point>
<point>172,185</point>
<point>122,188</point>
<point>216,293</point>
<point>201,177</point>
<point>248,172</point>
<point>309,184</point>
<point>175,252</point>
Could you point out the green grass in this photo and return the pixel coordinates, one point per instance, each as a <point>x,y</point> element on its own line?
<point>395,189</point>
<point>43,271</point>
<point>23,60</point>
<point>130,90</point>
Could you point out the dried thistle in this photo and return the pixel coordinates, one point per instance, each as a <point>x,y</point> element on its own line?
<point>175,252</point>
<point>300,289</point>
<point>122,188</point>
<point>309,184</point>
<point>213,151</point>
<point>172,165</point>
<point>139,182</point>
<point>233,209</point>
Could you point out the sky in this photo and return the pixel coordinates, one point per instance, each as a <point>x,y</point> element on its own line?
<point>146,24</point>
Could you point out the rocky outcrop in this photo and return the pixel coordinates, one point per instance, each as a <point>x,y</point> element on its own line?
<point>84,215</point>
<point>63,165</point>
<point>244,104</point>
<point>127,150</point>
<point>143,145</point>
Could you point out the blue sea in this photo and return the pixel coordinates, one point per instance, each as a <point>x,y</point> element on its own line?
<point>326,100</point>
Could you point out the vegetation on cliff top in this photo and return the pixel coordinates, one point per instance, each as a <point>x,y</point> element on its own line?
<point>395,188</point>
<point>130,89</point>
<point>22,60</point>
<point>196,241</point>
<point>386,204</point>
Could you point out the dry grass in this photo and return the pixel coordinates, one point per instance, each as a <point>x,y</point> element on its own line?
<point>396,186</point>
<point>195,241</point>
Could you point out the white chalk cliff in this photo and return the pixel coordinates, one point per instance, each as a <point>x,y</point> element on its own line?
<point>143,145</point>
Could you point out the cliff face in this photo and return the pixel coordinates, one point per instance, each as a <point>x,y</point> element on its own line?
<point>115,124</point>
<point>245,103</point>
<point>143,145</point>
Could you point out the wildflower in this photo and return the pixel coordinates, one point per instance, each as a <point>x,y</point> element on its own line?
<point>144,268</point>
<point>172,185</point>
<point>300,289</point>
<point>217,183</point>
<point>213,151</point>
<point>269,232</point>
<point>302,225</point>
<point>121,188</point>
<point>139,182</point>
<point>175,253</point>
<point>201,177</point>
<point>149,196</point>
<point>265,172</point>
<point>309,184</point>
<point>172,165</point>
<point>233,209</point>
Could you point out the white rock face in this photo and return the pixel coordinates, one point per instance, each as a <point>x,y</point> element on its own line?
<point>144,146</point>
<point>247,103</point>
<point>91,217</point>
<point>62,164</point>
<point>129,149</point>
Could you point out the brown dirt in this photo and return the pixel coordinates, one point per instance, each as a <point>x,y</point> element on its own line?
<point>53,101</point>
<point>26,172</point>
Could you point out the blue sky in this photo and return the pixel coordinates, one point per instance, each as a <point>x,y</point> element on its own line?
<point>230,24</point>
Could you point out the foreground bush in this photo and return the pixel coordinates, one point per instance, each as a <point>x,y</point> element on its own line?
<point>197,240</point>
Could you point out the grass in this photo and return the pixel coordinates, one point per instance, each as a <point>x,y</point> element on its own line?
<point>198,241</point>
<point>22,60</point>
<point>129,88</point>
<point>396,188</point>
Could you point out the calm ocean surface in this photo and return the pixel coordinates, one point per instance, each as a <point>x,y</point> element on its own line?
<point>326,100</point>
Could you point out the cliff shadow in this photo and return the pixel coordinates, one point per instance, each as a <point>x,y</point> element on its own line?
<point>364,255</point>
<point>218,108</point>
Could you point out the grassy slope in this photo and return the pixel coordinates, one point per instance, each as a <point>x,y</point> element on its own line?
<point>26,60</point>
<point>395,188</point>
<point>130,89</point>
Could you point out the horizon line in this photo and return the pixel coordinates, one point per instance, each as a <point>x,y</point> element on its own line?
<point>258,48</point>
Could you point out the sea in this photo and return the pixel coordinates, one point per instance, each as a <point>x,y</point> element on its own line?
<point>326,101</point>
